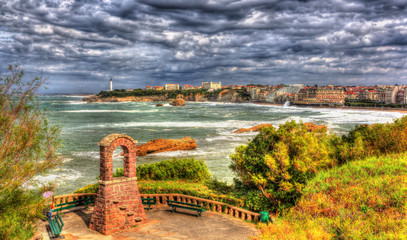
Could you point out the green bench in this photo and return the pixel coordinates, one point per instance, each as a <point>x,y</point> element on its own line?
<point>149,202</point>
<point>75,203</point>
<point>56,224</point>
<point>190,206</point>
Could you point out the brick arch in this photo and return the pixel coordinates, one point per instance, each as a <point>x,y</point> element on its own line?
<point>107,146</point>
<point>118,205</point>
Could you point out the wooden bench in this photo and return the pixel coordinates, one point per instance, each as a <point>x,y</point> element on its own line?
<point>56,224</point>
<point>75,203</point>
<point>149,202</point>
<point>190,206</point>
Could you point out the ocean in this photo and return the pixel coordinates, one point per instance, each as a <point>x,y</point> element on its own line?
<point>211,124</point>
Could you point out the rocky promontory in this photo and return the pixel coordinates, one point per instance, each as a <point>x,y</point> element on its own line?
<point>95,98</point>
<point>311,127</point>
<point>166,145</point>
<point>252,129</point>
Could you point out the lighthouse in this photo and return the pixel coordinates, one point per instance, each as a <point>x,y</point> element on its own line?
<point>111,84</point>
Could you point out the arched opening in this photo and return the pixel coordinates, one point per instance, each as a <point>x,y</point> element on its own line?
<point>120,153</point>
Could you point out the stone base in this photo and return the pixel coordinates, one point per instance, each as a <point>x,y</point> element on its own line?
<point>118,206</point>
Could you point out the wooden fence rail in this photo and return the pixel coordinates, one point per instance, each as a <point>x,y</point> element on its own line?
<point>161,199</point>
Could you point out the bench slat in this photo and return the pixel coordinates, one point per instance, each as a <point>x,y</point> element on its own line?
<point>195,207</point>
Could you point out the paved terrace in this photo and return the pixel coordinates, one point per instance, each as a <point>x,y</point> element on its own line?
<point>161,224</point>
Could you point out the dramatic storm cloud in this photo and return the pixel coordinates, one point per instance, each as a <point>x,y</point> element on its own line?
<point>81,44</point>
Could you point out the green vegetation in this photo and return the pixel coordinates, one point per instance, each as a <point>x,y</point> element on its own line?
<point>184,176</point>
<point>174,169</point>
<point>364,199</point>
<point>171,94</point>
<point>367,103</point>
<point>276,165</point>
<point>28,148</point>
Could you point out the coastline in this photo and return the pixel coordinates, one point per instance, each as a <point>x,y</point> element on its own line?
<point>382,109</point>
<point>160,99</point>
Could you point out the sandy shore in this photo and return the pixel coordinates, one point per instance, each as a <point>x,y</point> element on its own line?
<point>384,109</point>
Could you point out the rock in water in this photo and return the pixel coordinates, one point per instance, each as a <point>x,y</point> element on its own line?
<point>178,102</point>
<point>166,145</point>
<point>252,129</point>
<point>159,105</point>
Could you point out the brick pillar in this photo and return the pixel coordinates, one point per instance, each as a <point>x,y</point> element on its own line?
<point>118,204</point>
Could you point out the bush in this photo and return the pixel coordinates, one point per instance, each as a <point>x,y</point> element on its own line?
<point>174,169</point>
<point>278,163</point>
<point>186,169</point>
<point>365,199</point>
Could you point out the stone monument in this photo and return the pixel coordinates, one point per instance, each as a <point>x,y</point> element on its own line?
<point>118,204</point>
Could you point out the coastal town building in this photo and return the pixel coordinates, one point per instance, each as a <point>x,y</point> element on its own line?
<point>369,95</point>
<point>171,86</point>
<point>283,94</point>
<point>186,87</point>
<point>387,94</point>
<point>328,95</point>
<point>211,85</point>
<point>158,88</point>
<point>111,84</point>
<point>148,87</point>
<point>401,97</point>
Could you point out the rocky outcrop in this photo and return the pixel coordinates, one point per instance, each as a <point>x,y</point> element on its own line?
<point>315,128</point>
<point>252,129</point>
<point>178,102</point>
<point>166,145</point>
<point>310,127</point>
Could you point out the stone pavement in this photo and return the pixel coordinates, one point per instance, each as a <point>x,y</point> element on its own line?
<point>161,224</point>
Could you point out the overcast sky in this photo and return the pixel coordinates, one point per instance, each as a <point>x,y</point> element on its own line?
<point>81,44</point>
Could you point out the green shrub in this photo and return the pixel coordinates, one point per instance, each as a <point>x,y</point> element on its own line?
<point>365,199</point>
<point>372,140</point>
<point>174,169</point>
<point>19,209</point>
<point>278,162</point>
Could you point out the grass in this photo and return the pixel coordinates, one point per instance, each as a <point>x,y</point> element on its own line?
<point>365,199</point>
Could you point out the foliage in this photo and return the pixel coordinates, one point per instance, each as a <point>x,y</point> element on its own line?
<point>186,169</point>
<point>278,162</point>
<point>364,199</point>
<point>18,211</point>
<point>171,94</point>
<point>180,186</point>
<point>28,147</point>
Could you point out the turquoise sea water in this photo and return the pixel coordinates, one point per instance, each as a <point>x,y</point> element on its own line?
<point>211,124</point>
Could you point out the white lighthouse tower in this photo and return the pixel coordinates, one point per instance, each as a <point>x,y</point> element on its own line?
<point>111,84</point>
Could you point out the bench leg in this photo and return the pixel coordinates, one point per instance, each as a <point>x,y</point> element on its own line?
<point>173,209</point>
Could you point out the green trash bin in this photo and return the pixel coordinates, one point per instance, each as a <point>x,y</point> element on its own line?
<point>264,216</point>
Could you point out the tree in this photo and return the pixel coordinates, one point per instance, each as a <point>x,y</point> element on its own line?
<point>28,148</point>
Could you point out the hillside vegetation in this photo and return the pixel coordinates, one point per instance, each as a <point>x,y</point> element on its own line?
<point>365,199</point>
<point>274,168</point>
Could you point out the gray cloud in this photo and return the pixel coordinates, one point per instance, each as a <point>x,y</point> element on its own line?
<point>80,44</point>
